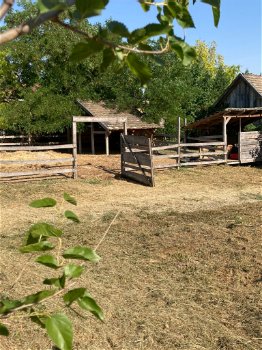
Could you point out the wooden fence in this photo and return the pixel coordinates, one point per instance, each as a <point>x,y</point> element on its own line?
<point>48,166</point>
<point>136,159</point>
<point>250,146</point>
<point>139,159</point>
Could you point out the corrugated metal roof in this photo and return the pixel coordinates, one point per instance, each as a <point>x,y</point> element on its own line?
<point>98,109</point>
<point>255,81</point>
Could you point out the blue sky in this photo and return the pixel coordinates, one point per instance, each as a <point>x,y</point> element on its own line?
<point>238,36</point>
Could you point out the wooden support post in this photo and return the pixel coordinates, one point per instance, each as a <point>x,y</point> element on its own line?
<point>152,162</point>
<point>225,137</point>
<point>125,128</point>
<point>74,137</point>
<point>178,141</point>
<point>107,143</point>
<point>239,140</point>
<point>92,139</point>
<point>80,142</point>
<point>185,132</point>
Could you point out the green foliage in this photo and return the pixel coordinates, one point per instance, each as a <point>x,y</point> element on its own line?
<point>41,237</point>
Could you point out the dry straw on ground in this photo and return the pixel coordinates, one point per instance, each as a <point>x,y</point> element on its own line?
<point>181,265</point>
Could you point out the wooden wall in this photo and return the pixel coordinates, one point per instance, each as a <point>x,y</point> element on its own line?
<point>250,146</point>
<point>242,96</point>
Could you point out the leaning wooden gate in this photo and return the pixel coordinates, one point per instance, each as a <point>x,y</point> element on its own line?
<point>250,146</point>
<point>136,159</point>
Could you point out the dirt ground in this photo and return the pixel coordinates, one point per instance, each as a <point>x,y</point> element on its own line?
<point>181,266</point>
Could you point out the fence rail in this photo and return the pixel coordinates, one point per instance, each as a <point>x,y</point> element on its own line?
<point>48,166</point>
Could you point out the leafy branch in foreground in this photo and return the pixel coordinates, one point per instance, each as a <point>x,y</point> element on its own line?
<point>116,42</point>
<point>41,238</point>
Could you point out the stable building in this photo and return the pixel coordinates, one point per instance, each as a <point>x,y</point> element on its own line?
<point>239,106</point>
<point>106,135</point>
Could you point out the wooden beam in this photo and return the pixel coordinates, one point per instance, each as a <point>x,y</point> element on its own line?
<point>92,139</point>
<point>179,140</point>
<point>107,143</point>
<point>74,138</point>
<point>36,172</point>
<point>225,137</point>
<point>35,148</point>
<point>99,119</point>
<point>37,161</point>
<point>80,142</point>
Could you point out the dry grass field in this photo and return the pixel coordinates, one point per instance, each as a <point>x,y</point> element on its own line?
<point>181,266</point>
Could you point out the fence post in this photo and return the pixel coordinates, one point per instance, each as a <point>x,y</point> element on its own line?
<point>178,141</point>
<point>74,150</point>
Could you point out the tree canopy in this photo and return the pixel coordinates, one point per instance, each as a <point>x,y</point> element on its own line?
<point>42,75</point>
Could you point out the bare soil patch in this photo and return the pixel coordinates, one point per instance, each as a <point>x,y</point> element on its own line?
<point>181,267</point>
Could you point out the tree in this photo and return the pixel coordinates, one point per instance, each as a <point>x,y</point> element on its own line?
<point>124,51</point>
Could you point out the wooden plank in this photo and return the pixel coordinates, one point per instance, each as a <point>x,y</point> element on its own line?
<point>202,154</point>
<point>82,119</point>
<point>131,167</point>
<point>74,138</point>
<point>166,166</point>
<point>12,137</point>
<point>92,139</point>
<point>205,144</point>
<point>179,141</point>
<point>204,162</point>
<point>145,180</point>
<point>35,148</point>
<point>37,161</point>
<point>36,172</point>
<point>165,156</point>
<point>137,140</point>
<point>250,142</point>
<point>160,148</point>
<point>143,159</point>
<point>198,138</point>
<point>152,164</point>
<point>107,143</point>
<point>13,143</point>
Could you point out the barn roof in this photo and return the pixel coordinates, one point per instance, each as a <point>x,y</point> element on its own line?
<point>98,109</point>
<point>250,115</point>
<point>253,80</point>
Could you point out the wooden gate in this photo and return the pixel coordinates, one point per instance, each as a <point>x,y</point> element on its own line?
<point>136,159</point>
<point>250,146</point>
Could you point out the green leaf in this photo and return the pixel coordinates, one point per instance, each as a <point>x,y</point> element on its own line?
<point>73,295</point>
<point>138,68</point>
<point>71,216</point>
<point>83,50</point>
<point>42,203</point>
<point>144,6</point>
<point>57,282</point>
<point>73,271</point>
<point>40,321</point>
<point>48,260</point>
<point>89,304</point>
<point>42,229</point>
<point>185,52</point>
<point>150,30</point>
<point>51,5</point>
<point>91,7</point>
<point>118,28</point>
<point>37,247</point>
<point>35,298</point>
<point>7,305</point>
<point>216,9</point>
<point>69,199</point>
<point>181,14</point>
<point>108,58</point>
<point>3,330</point>
<point>59,329</point>
<point>81,253</point>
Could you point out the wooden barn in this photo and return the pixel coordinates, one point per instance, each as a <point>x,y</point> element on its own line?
<point>107,134</point>
<point>239,106</point>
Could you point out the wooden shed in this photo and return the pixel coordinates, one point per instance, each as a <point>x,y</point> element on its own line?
<point>244,92</point>
<point>109,132</point>
<point>239,105</point>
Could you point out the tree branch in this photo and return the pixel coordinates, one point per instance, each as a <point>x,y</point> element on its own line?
<point>28,26</point>
<point>5,7</point>
<point>109,43</point>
